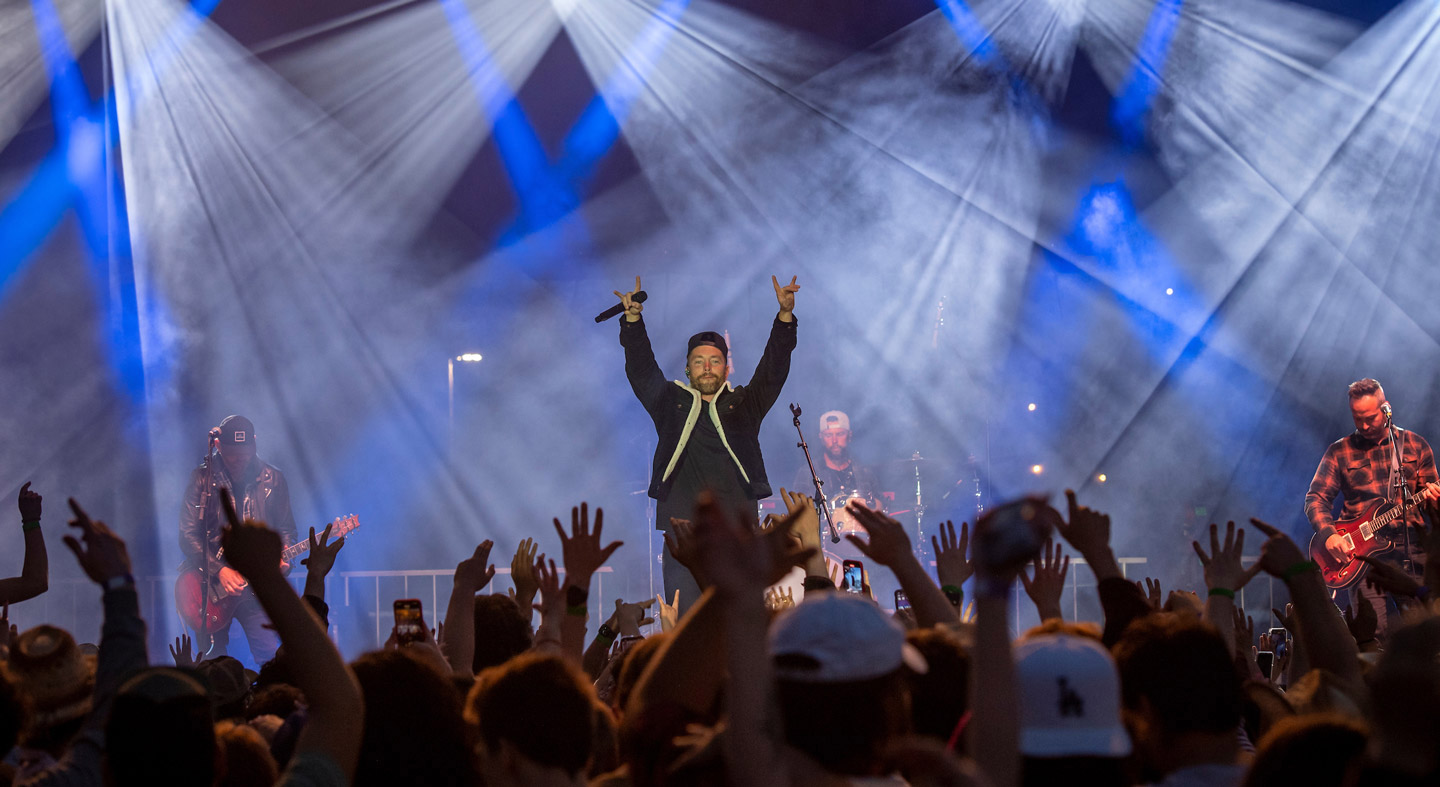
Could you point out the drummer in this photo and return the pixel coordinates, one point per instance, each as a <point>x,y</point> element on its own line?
<point>839,470</point>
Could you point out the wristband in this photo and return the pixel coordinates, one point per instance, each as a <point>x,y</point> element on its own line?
<point>1226,592</point>
<point>575,598</point>
<point>606,635</point>
<point>118,582</point>
<point>1300,568</point>
<point>30,524</point>
<point>955,594</point>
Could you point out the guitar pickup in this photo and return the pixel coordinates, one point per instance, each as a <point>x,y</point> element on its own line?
<point>1367,531</point>
<point>1349,543</point>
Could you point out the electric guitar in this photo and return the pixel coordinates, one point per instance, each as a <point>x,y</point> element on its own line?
<point>1362,537</point>
<point>191,588</point>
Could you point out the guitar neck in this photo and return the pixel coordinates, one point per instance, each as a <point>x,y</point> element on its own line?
<point>340,529</point>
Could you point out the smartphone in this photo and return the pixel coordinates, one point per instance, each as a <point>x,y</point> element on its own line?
<point>853,576</point>
<point>626,643</point>
<point>901,602</point>
<point>409,621</point>
<point>1266,660</point>
<point>1009,536</point>
<point>1279,640</point>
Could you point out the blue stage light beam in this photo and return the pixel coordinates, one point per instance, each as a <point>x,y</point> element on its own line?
<point>542,196</point>
<point>1132,106</point>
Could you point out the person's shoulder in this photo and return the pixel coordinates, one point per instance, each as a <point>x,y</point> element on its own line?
<point>312,769</point>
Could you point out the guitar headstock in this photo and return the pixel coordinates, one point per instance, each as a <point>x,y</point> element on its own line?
<point>342,526</point>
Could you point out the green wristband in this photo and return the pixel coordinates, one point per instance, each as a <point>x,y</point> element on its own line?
<point>955,594</point>
<point>1226,592</point>
<point>30,525</point>
<point>1300,568</point>
<point>579,612</point>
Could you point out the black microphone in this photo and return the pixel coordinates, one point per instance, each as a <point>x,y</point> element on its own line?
<point>215,433</point>
<point>638,297</point>
<point>1386,411</point>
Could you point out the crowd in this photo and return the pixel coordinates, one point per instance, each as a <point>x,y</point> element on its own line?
<point>747,687</point>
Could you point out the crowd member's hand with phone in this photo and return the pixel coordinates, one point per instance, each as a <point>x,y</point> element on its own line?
<point>889,546</point>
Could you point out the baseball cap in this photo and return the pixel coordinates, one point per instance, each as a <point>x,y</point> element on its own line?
<point>708,338</point>
<point>834,419</point>
<point>237,429</point>
<point>1069,699</point>
<point>839,638</point>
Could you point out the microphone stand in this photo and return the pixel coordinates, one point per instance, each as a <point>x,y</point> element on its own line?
<point>1402,492</point>
<point>820,501</point>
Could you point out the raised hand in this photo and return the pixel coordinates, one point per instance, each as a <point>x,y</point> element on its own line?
<point>322,552</point>
<point>581,549</point>
<point>1389,578</point>
<point>1223,568</point>
<point>29,503</point>
<point>104,556</point>
<point>669,613</point>
<point>630,617</point>
<point>522,573</point>
<point>785,295</point>
<point>1153,593</point>
<point>806,522</point>
<point>476,571</point>
<point>1362,622</point>
<point>632,306</point>
<point>1244,631</point>
<point>1048,582</point>
<point>952,565</point>
<point>251,548</point>
<point>685,548</point>
<point>1287,620</point>
<point>888,545</point>
<point>777,598</point>
<point>1085,529</point>
<point>1279,553</point>
<point>552,597</point>
<point>739,560</point>
<point>182,653</point>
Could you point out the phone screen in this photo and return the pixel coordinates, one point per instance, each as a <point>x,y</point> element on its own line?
<point>409,620</point>
<point>854,579</point>
<point>1266,660</point>
<point>901,602</point>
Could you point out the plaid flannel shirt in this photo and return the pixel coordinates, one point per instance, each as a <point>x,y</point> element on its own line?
<point>1359,471</point>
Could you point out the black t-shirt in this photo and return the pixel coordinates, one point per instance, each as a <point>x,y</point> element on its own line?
<point>704,464</point>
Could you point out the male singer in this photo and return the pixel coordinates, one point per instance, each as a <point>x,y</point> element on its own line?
<point>709,431</point>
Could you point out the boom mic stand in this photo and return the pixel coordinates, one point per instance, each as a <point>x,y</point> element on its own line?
<point>820,501</point>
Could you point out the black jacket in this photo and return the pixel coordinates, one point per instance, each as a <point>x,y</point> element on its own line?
<point>263,495</point>
<point>674,406</point>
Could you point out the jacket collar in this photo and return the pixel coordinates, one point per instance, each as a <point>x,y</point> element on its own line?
<point>724,388</point>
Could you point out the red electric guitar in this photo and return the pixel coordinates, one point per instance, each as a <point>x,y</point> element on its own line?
<point>191,587</point>
<point>1362,538</point>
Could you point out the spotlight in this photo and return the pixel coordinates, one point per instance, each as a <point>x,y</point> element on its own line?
<point>1169,290</point>
<point>1037,469</point>
<point>469,357</point>
<point>1031,408</point>
<point>1100,478</point>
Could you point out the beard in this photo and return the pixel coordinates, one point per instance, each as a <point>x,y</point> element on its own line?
<point>708,385</point>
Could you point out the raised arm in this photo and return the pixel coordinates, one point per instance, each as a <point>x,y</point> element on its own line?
<point>337,709</point>
<point>890,547</point>
<point>646,379</point>
<point>583,557</point>
<point>1323,633</point>
<point>1224,576</point>
<point>34,576</point>
<point>774,366</point>
<point>471,574</point>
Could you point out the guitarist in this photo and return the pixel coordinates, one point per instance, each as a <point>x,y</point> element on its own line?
<point>261,494</point>
<point>1362,469</point>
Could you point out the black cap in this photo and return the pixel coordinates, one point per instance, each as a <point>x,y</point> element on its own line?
<point>236,430</point>
<point>708,339</point>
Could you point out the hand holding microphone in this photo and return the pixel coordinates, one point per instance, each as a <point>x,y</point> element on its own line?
<point>629,304</point>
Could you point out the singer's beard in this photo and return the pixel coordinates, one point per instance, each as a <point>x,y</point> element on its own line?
<point>708,385</point>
